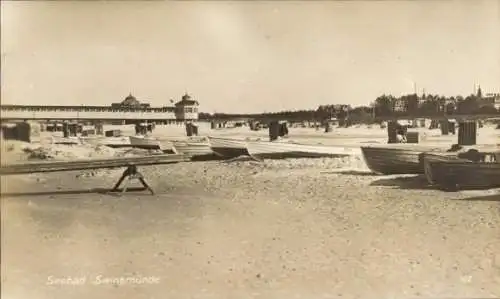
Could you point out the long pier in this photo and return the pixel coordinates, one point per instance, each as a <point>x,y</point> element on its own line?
<point>89,113</point>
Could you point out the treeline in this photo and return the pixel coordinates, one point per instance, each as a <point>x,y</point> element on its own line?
<point>384,106</point>
<point>324,112</point>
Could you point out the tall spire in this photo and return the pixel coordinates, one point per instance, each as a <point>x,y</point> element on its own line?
<point>479,92</point>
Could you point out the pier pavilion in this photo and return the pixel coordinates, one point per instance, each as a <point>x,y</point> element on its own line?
<point>128,111</point>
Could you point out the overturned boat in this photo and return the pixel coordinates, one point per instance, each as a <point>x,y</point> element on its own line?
<point>144,142</point>
<point>92,140</point>
<point>71,140</point>
<point>116,142</point>
<point>193,148</point>
<point>228,148</point>
<point>281,150</point>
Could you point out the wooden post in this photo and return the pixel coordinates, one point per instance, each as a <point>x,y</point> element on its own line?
<point>72,129</point>
<point>66,130</point>
<point>194,129</point>
<point>434,124</point>
<point>274,130</point>
<point>99,129</point>
<point>467,131</point>
<point>189,129</point>
<point>452,128</point>
<point>392,132</point>
<point>445,128</point>
<point>328,127</point>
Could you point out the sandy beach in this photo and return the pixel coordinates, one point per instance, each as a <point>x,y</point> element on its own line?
<point>295,228</point>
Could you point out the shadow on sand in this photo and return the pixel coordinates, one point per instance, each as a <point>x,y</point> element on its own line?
<point>351,172</point>
<point>490,197</point>
<point>417,182</point>
<point>106,191</point>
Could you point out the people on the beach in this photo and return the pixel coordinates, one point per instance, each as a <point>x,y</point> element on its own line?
<point>401,133</point>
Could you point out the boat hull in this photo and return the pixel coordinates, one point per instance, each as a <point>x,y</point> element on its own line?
<point>427,158</point>
<point>283,150</point>
<point>463,174</point>
<point>228,148</point>
<point>116,142</point>
<point>92,140</point>
<point>144,142</point>
<point>66,140</point>
<point>386,160</point>
<point>193,149</point>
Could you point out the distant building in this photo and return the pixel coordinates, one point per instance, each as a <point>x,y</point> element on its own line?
<point>399,105</point>
<point>492,99</point>
<point>130,102</point>
<point>128,109</point>
<point>186,108</point>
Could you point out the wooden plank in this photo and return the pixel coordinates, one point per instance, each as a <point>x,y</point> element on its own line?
<point>52,166</point>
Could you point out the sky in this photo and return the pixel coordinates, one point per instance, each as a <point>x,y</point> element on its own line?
<point>246,56</point>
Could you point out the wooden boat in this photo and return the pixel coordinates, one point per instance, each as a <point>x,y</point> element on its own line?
<point>281,150</point>
<point>167,146</point>
<point>121,141</point>
<point>462,172</point>
<point>193,148</point>
<point>73,140</point>
<point>94,140</point>
<point>144,142</point>
<point>228,148</point>
<point>432,156</point>
<point>396,159</point>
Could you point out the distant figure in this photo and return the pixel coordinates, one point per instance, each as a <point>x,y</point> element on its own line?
<point>275,130</point>
<point>434,124</point>
<point>455,148</point>
<point>401,138</point>
<point>401,133</point>
<point>283,129</point>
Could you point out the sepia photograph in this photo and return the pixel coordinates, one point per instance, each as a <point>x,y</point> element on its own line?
<point>250,149</point>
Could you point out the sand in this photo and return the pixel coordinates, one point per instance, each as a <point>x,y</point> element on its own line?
<point>296,228</point>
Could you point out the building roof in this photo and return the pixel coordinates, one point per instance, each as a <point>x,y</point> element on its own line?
<point>187,101</point>
<point>130,100</point>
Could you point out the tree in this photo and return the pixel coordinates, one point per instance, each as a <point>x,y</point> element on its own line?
<point>450,108</point>
<point>430,107</point>
<point>469,105</point>
<point>412,104</point>
<point>383,105</point>
<point>361,115</point>
<point>487,109</point>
